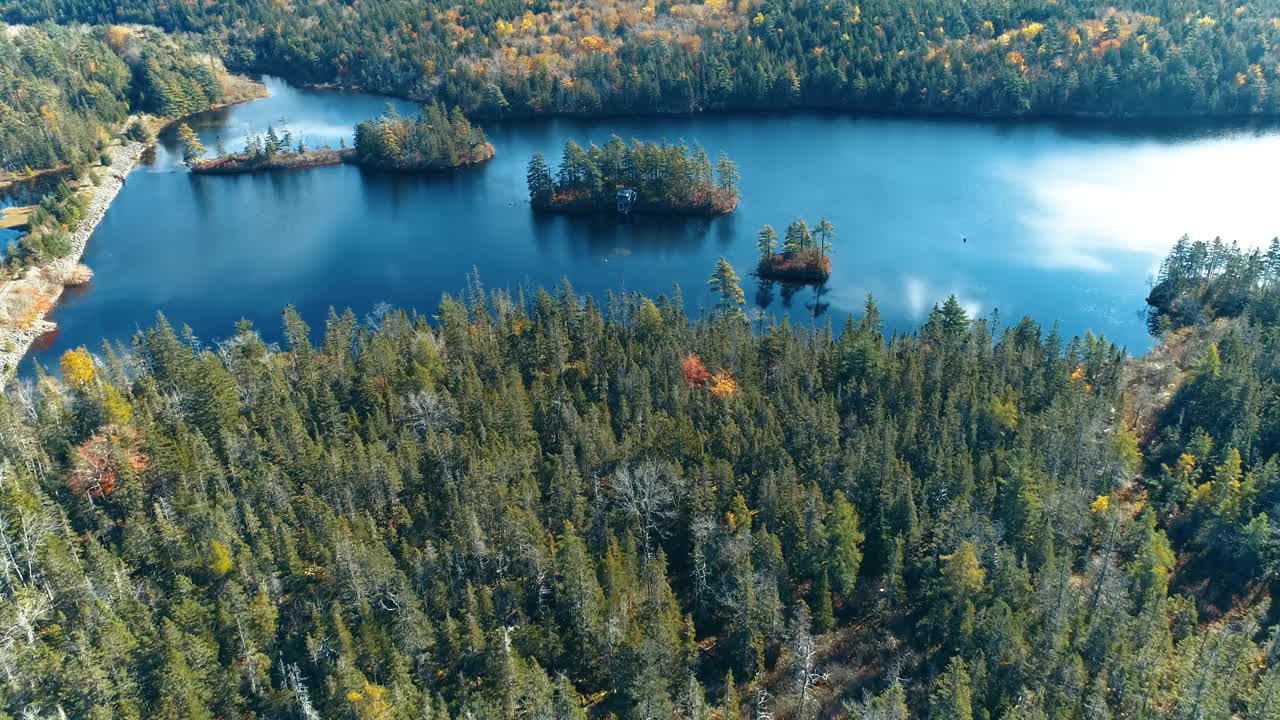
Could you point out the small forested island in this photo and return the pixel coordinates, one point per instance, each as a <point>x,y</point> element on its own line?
<point>266,151</point>
<point>435,140</point>
<point>642,177</point>
<point>805,256</point>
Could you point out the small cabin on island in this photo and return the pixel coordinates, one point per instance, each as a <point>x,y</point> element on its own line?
<point>626,200</point>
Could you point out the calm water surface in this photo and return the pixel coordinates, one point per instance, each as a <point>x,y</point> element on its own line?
<point>1062,224</point>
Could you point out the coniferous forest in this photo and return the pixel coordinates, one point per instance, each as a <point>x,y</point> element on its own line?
<point>64,92</point>
<point>1150,58</point>
<point>543,506</point>
<point>527,503</point>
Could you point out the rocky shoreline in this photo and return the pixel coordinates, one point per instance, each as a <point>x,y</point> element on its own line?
<point>44,284</point>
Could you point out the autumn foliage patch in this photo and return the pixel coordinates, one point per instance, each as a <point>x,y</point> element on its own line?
<point>695,373</point>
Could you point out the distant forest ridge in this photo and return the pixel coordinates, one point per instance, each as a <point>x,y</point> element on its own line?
<point>1141,58</point>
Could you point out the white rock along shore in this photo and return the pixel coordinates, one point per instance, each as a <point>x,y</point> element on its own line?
<point>50,279</point>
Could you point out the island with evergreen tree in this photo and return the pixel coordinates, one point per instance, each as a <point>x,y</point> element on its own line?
<point>436,140</point>
<point>805,255</point>
<point>643,177</point>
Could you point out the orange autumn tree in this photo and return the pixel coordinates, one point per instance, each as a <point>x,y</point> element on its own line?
<point>723,385</point>
<point>95,469</point>
<point>94,473</point>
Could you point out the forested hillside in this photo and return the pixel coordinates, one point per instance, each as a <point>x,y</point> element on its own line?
<point>536,506</point>
<point>65,91</point>
<point>1132,58</point>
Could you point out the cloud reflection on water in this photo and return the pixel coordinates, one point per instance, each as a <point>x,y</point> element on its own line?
<point>1085,210</point>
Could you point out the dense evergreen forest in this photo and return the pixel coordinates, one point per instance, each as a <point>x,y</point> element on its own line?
<point>665,179</point>
<point>436,139</point>
<point>64,92</point>
<point>1090,57</point>
<point>539,506</point>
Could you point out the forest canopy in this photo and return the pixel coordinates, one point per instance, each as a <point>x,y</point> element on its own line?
<point>1140,58</point>
<point>537,505</point>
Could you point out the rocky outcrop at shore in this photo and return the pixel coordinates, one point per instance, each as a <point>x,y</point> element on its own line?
<point>26,301</point>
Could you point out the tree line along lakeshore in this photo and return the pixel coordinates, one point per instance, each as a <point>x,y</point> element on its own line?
<point>1139,58</point>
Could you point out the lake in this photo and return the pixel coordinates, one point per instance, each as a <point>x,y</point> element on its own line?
<point>1061,222</point>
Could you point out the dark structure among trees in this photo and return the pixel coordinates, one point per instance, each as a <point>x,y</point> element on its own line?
<point>626,200</point>
<point>640,177</point>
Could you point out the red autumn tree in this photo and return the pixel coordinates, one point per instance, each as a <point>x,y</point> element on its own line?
<point>695,373</point>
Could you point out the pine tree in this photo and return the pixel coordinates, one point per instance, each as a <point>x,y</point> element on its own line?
<point>192,149</point>
<point>823,617</point>
<point>952,697</point>
<point>725,283</point>
<point>844,542</point>
<point>767,242</point>
<point>824,234</point>
<point>727,171</point>
<point>539,179</point>
<point>798,238</point>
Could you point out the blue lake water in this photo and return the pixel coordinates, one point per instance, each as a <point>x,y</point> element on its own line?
<point>1064,223</point>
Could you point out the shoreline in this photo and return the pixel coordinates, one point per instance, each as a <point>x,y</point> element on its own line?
<point>22,325</point>
<point>45,284</point>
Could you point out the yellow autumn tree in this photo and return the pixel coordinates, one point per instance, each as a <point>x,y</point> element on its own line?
<point>1101,505</point>
<point>963,574</point>
<point>219,558</point>
<point>77,368</point>
<point>1005,412</point>
<point>723,385</point>
<point>116,406</point>
<point>370,702</point>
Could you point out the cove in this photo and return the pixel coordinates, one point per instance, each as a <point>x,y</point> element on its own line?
<point>1061,222</point>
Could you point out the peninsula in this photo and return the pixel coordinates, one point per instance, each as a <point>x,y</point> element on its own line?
<point>85,114</point>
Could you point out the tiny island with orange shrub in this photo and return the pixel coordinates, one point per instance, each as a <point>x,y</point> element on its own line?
<point>805,255</point>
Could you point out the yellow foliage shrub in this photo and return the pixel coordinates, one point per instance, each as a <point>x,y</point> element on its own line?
<point>1101,505</point>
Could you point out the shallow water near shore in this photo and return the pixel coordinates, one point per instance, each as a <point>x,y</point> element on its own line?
<point>1065,223</point>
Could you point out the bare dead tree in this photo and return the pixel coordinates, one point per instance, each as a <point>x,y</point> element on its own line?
<point>647,492</point>
<point>293,681</point>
